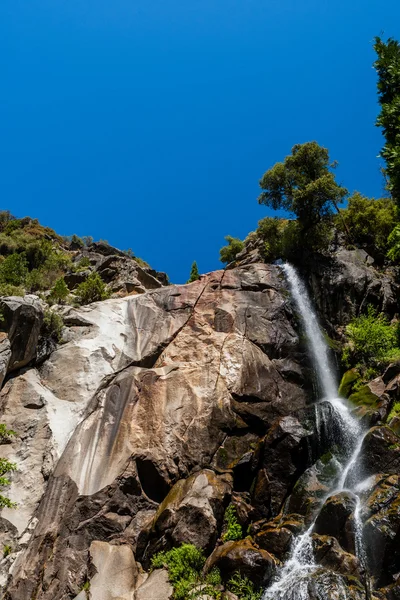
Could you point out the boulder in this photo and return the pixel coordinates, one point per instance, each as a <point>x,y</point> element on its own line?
<point>116,572</point>
<point>380,452</point>
<point>328,553</point>
<point>22,319</point>
<point>5,356</point>
<point>243,557</point>
<point>156,587</point>
<point>192,512</point>
<point>336,519</point>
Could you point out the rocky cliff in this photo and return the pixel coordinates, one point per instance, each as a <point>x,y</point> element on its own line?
<point>160,410</point>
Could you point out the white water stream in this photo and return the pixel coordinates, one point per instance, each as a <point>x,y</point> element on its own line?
<point>294,578</point>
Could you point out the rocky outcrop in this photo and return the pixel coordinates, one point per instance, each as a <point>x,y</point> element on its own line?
<point>134,416</point>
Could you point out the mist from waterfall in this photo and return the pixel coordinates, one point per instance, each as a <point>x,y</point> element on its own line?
<point>294,579</point>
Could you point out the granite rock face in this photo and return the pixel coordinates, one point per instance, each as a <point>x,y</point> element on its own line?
<point>163,408</point>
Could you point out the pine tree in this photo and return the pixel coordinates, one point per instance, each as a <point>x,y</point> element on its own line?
<point>194,273</point>
<point>60,290</point>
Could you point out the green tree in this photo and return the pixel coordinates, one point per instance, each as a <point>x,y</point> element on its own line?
<point>6,467</point>
<point>60,290</point>
<point>228,253</point>
<point>387,66</point>
<point>194,273</point>
<point>13,269</point>
<point>394,244</point>
<point>304,185</point>
<point>92,290</point>
<point>369,221</point>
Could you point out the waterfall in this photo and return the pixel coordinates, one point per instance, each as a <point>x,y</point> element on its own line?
<point>294,579</point>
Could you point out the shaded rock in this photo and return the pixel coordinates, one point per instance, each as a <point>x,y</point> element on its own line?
<point>192,512</point>
<point>243,557</point>
<point>275,538</point>
<point>330,554</point>
<point>156,587</point>
<point>336,519</point>
<point>22,321</point>
<point>5,356</point>
<point>382,530</point>
<point>380,452</point>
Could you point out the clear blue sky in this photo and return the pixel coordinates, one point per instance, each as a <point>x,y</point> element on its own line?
<point>149,122</point>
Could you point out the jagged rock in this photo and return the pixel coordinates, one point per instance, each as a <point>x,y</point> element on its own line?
<point>336,519</point>
<point>380,452</point>
<point>22,319</point>
<point>156,587</point>
<point>160,382</point>
<point>274,537</point>
<point>243,557</point>
<point>192,512</point>
<point>352,283</point>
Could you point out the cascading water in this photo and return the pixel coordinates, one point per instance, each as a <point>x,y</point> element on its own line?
<point>294,579</point>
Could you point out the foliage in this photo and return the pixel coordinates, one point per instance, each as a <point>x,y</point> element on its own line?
<point>304,185</point>
<point>368,221</point>
<point>6,289</point>
<point>52,326</point>
<point>394,412</point>
<point>60,291</point>
<point>228,253</point>
<point>243,588</point>
<point>387,66</point>
<point>6,550</point>
<point>233,529</point>
<point>184,566</point>
<point>394,244</point>
<point>77,241</point>
<point>92,290</point>
<point>6,467</point>
<point>13,269</point>
<point>194,273</point>
<point>372,341</point>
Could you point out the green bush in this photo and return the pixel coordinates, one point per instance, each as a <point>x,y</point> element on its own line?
<point>82,265</point>
<point>394,244</point>
<point>184,565</point>
<point>243,588</point>
<point>92,290</point>
<point>372,341</point>
<point>228,253</point>
<point>14,269</point>
<point>6,289</point>
<point>233,529</point>
<point>6,550</point>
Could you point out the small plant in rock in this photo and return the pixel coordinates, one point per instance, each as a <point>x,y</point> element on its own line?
<point>243,588</point>
<point>372,341</point>
<point>92,290</point>
<point>6,550</point>
<point>184,565</point>
<point>233,529</point>
<point>6,467</point>
<point>52,326</point>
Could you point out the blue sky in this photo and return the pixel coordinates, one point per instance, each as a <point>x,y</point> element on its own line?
<point>149,123</point>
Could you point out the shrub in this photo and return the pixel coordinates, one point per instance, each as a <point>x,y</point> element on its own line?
<point>372,341</point>
<point>228,253</point>
<point>6,550</point>
<point>14,269</point>
<point>82,265</point>
<point>6,289</point>
<point>52,326</point>
<point>243,588</point>
<point>233,529</point>
<point>92,290</point>
<point>60,291</point>
<point>394,244</point>
<point>184,565</point>
<point>35,280</point>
